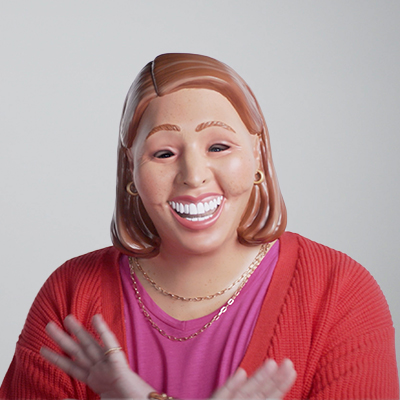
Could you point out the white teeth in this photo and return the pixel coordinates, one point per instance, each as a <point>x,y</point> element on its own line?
<point>192,209</point>
<point>200,208</point>
<point>200,218</point>
<point>197,209</point>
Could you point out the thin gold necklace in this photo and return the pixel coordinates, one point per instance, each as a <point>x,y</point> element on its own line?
<point>134,262</point>
<point>253,266</point>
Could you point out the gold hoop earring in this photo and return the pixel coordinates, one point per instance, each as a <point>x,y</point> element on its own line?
<point>130,188</point>
<point>261,177</point>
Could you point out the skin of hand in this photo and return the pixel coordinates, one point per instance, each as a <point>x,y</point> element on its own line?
<point>111,377</point>
<point>270,381</point>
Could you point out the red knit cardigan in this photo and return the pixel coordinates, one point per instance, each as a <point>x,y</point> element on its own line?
<point>322,310</point>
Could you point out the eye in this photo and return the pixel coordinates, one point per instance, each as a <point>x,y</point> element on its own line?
<point>216,148</point>
<point>163,154</point>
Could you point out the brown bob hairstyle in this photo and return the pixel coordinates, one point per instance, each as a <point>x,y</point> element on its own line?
<point>132,230</point>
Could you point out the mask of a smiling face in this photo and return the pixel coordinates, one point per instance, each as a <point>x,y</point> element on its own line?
<point>137,226</point>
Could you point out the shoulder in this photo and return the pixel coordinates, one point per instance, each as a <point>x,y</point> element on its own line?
<point>82,272</point>
<point>82,269</point>
<point>94,259</point>
<point>77,287</point>
<point>82,281</point>
<point>322,262</point>
<point>329,283</point>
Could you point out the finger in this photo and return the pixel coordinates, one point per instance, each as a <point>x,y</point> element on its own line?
<point>67,344</point>
<point>283,379</point>
<point>260,385</point>
<point>88,343</point>
<point>64,363</point>
<point>231,386</point>
<point>270,381</point>
<point>277,379</point>
<point>107,336</point>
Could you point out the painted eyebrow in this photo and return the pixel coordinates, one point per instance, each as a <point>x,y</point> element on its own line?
<point>208,124</point>
<point>164,127</point>
<point>200,127</point>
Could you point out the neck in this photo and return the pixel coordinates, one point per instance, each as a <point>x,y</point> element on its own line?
<point>192,275</point>
<point>196,275</point>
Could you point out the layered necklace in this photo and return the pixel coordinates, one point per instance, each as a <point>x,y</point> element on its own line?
<point>134,263</point>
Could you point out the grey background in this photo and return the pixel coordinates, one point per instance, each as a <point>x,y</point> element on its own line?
<point>324,72</point>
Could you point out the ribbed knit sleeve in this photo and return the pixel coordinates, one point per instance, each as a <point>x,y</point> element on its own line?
<point>74,288</point>
<point>336,327</point>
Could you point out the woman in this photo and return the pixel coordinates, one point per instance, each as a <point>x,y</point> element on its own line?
<point>204,292</point>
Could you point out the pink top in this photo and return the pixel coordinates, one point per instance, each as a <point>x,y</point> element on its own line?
<point>195,368</point>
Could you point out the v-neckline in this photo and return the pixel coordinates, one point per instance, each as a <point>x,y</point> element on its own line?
<point>256,353</point>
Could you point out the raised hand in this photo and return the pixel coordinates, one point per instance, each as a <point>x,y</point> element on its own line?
<point>104,368</point>
<point>106,372</point>
<point>270,381</point>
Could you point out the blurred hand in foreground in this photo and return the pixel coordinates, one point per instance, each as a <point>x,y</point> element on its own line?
<point>105,369</point>
<point>108,375</point>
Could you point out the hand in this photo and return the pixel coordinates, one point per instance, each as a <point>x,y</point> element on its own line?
<point>270,381</point>
<point>107,375</point>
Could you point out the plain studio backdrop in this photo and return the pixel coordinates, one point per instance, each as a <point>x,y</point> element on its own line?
<point>326,74</point>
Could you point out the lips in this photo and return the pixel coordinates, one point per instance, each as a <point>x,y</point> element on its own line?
<point>199,210</point>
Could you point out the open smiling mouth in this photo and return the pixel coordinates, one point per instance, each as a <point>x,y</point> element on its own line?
<point>196,212</point>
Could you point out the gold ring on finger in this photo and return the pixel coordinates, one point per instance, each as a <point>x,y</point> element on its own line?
<point>112,350</point>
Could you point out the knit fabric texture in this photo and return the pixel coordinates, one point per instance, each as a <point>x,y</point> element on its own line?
<point>322,310</point>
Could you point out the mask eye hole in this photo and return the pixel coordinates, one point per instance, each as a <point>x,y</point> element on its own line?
<point>163,154</point>
<point>216,148</point>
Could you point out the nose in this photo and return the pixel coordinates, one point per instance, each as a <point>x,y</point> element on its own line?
<point>194,169</point>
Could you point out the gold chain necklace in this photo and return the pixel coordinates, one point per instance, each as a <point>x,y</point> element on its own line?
<point>135,261</point>
<point>253,266</point>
